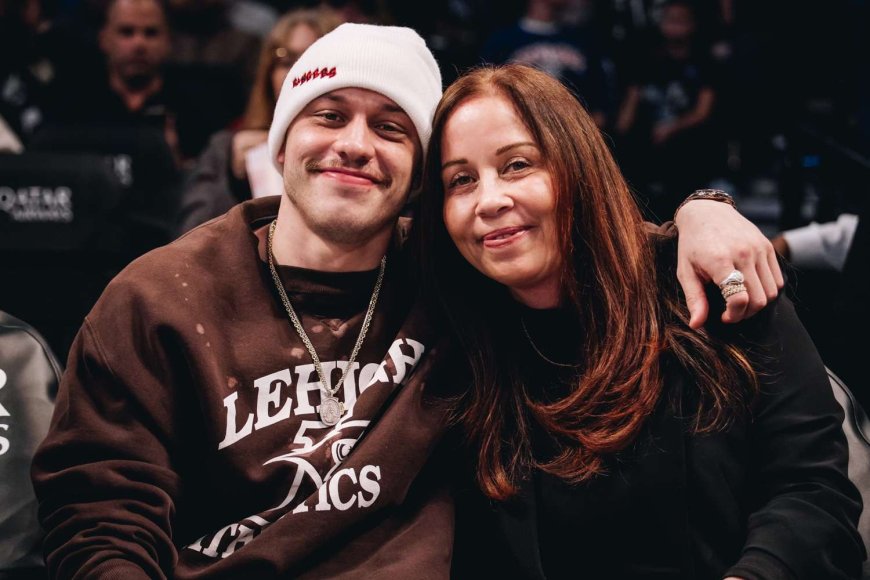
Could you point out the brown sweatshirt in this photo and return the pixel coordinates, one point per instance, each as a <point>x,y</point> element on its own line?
<point>186,441</point>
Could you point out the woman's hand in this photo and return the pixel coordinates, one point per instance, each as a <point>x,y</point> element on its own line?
<point>714,240</point>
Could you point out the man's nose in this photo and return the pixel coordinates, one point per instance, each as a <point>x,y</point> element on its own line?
<point>355,141</point>
<point>140,41</point>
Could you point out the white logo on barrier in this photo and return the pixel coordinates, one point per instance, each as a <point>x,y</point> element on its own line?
<point>37,204</point>
<point>4,442</point>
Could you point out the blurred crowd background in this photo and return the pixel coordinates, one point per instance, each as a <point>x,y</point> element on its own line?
<point>125,123</point>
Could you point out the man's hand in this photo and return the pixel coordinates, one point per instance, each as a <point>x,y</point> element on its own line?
<point>714,240</point>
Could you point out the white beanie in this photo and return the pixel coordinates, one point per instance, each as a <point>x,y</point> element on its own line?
<point>391,60</point>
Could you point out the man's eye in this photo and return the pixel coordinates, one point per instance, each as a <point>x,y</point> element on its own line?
<point>392,131</point>
<point>329,116</point>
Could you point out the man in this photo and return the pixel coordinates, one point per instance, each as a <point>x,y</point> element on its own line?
<point>822,246</point>
<point>217,389</point>
<point>132,91</point>
<point>134,40</point>
<point>841,317</point>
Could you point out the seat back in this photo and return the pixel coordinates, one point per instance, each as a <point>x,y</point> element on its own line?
<point>29,377</point>
<point>856,426</point>
<point>54,202</point>
<point>140,157</point>
<point>61,238</point>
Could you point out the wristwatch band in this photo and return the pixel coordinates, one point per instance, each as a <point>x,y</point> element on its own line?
<point>711,194</point>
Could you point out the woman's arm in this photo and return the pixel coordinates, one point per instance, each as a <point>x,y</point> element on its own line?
<point>804,508</point>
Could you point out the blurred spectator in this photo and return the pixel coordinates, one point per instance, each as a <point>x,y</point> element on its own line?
<point>456,29</point>
<point>204,34</point>
<point>128,110</point>
<point>22,85</point>
<point>666,143</point>
<point>628,25</point>
<point>540,39</point>
<point>29,375</point>
<point>819,246</point>
<point>832,281</point>
<point>252,17</point>
<point>211,67</point>
<point>133,92</point>
<point>221,177</point>
<point>634,23</point>
<point>35,51</point>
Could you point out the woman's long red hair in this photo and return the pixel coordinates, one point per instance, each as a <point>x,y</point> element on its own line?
<point>631,315</point>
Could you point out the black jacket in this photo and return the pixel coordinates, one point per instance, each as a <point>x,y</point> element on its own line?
<point>768,499</point>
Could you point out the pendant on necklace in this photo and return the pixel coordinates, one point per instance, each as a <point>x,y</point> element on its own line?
<point>331,410</point>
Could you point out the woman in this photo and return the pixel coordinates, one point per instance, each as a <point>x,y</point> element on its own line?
<point>220,179</point>
<point>609,438</point>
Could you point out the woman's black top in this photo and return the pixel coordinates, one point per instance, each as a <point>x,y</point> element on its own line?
<point>767,499</point>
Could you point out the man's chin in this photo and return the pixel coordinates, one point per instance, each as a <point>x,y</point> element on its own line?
<point>352,228</point>
<point>136,78</point>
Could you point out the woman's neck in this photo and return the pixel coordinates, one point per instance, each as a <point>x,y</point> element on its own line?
<point>539,297</point>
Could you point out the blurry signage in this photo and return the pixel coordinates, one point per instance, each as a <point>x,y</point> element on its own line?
<point>37,204</point>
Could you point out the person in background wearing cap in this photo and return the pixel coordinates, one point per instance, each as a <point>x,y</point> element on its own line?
<point>205,424</point>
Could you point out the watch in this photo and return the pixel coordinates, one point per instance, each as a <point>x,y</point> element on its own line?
<point>711,194</point>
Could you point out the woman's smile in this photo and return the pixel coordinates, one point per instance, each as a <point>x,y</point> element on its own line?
<point>499,203</point>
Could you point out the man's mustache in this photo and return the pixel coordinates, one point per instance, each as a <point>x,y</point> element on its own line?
<point>314,165</point>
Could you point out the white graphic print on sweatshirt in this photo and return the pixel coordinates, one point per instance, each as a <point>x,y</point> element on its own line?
<point>323,475</point>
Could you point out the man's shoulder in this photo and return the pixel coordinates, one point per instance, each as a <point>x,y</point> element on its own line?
<point>197,263</point>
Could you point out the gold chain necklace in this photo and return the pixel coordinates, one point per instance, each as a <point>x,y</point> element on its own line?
<point>539,353</point>
<point>331,409</point>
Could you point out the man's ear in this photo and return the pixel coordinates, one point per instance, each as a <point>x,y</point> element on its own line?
<point>280,157</point>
